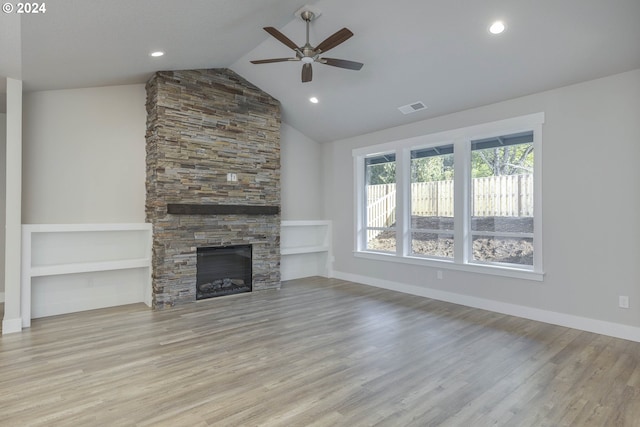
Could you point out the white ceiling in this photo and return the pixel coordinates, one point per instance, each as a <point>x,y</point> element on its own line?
<point>435,51</point>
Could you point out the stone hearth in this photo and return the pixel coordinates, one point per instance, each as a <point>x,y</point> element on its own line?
<point>201,126</point>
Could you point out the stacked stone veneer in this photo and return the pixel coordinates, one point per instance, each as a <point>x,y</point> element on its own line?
<point>202,125</point>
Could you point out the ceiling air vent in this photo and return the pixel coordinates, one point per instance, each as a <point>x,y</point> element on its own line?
<point>412,108</point>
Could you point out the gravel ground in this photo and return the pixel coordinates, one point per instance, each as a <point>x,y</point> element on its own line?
<point>495,249</point>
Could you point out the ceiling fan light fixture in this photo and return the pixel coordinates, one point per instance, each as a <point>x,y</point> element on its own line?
<point>497,27</point>
<point>306,59</point>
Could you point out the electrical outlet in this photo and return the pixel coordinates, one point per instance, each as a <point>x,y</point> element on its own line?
<point>623,301</point>
<point>232,177</point>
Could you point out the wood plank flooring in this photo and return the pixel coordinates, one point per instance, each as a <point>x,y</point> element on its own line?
<point>319,352</point>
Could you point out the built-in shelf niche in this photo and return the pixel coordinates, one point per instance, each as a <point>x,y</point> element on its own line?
<point>305,247</point>
<point>76,267</point>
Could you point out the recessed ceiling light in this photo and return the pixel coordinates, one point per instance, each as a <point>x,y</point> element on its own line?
<point>313,100</point>
<point>497,27</point>
<point>157,54</point>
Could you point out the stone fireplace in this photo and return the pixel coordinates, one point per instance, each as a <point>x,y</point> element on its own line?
<point>203,127</point>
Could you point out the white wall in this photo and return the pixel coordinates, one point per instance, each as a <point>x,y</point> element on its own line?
<point>84,159</point>
<point>10,66</point>
<point>591,149</point>
<point>84,155</point>
<point>12,320</point>
<point>84,162</point>
<point>11,45</point>
<point>3,195</point>
<point>301,175</point>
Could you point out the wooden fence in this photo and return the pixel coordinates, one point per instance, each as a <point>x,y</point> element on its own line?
<point>381,207</point>
<point>509,195</point>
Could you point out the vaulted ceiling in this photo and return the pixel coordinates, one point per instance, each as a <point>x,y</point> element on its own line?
<point>435,51</point>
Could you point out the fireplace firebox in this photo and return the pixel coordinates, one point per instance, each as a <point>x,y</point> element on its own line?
<point>223,270</point>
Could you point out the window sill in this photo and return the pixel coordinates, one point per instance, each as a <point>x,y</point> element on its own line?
<point>450,265</point>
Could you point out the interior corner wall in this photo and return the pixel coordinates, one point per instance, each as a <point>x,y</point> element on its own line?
<point>590,207</point>
<point>84,155</point>
<point>301,172</point>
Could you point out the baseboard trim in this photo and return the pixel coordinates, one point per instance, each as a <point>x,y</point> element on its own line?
<point>10,326</point>
<point>602,327</point>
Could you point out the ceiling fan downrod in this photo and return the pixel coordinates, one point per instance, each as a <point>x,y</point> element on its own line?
<point>308,53</point>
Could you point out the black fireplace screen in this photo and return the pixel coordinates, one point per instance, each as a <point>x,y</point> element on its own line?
<point>223,270</point>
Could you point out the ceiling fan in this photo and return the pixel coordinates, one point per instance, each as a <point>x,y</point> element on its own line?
<point>309,54</point>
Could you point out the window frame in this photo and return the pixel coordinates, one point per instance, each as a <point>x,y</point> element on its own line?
<point>461,140</point>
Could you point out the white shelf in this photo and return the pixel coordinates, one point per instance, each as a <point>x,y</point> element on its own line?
<point>67,228</point>
<point>305,249</point>
<point>305,223</point>
<point>68,251</point>
<point>89,267</point>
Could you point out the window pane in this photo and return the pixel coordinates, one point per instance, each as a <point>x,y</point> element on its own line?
<point>381,205</point>
<point>432,244</point>
<point>380,188</point>
<point>432,201</point>
<point>512,250</point>
<point>503,224</point>
<point>381,240</point>
<point>502,183</point>
<point>502,198</point>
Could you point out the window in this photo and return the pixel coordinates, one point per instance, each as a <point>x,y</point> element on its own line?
<point>502,199</point>
<point>465,199</point>
<point>432,202</point>
<point>380,196</point>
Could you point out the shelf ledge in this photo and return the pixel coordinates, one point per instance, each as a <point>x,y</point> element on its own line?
<point>305,223</point>
<point>303,250</point>
<point>88,267</point>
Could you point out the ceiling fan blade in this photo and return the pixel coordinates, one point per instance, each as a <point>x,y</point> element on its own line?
<point>342,63</point>
<point>334,40</point>
<point>281,37</point>
<point>269,61</point>
<point>307,73</point>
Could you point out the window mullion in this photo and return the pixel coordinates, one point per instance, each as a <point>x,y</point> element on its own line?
<point>537,198</point>
<point>462,201</point>
<point>403,202</point>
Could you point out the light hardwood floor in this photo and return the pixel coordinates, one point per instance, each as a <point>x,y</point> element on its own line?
<point>318,352</point>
